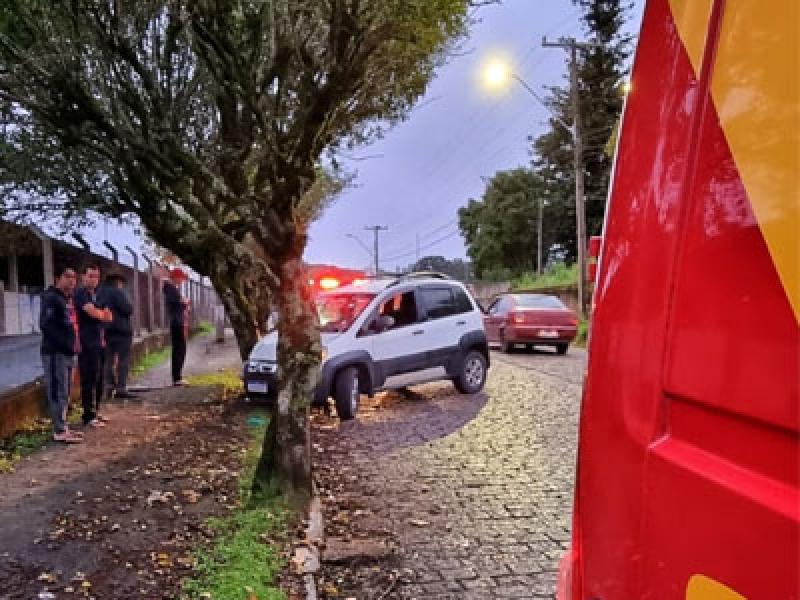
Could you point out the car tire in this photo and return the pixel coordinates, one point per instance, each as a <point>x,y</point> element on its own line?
<point>562,348</point>
<point>472,374</point>
<point>346,393</point>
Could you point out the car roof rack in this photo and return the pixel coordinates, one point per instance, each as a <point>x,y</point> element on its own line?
<point>421,275</point>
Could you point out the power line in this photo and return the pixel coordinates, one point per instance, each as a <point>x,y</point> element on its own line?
<point>426,246</point>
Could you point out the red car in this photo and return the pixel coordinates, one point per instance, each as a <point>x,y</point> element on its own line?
<point>530,319</point>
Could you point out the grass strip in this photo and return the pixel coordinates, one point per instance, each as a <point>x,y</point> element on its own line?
<point>33,435</point>
<point>227,379</point>
<point>150,360</point>
<point>246,557</point>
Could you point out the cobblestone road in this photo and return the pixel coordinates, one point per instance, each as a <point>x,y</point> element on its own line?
<point>472,493</point>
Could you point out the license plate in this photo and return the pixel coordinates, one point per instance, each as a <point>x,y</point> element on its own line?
<point>548,333</point>
<point>257,387</point>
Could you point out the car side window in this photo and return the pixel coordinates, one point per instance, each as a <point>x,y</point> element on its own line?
<point>439,302</point>
<point>402,307</point>
<point>463,302</point>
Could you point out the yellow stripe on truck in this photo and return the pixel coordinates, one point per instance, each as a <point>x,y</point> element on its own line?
<point>691,18</point>
<point>756,90</point>
<point>755,87</point>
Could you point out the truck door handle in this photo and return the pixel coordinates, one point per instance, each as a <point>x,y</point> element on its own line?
<point>418,332</point>
<point>461,322</point>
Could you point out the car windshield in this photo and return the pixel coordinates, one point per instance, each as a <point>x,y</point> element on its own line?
<point>537,301</point>
<point>336,312</point>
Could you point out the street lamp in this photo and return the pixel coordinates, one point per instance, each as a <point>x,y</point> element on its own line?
<point>497,73</point>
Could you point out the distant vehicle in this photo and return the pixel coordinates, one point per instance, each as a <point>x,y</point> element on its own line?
<point>530,319</point>
<point>688,477</point>
<point>324,278</point>
<point>383,333</point>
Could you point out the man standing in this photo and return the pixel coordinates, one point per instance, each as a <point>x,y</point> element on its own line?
<point>59,345</point>
<point>118,336</point>
<point>91,319</point>
<point>177,307</point>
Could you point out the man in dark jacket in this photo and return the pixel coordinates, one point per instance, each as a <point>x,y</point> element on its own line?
<point>177,307</point>
<point>119,336</point>
<point>59,345</point>
<point>92,317</point>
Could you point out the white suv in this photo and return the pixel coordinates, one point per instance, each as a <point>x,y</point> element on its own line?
<point>384,334</point>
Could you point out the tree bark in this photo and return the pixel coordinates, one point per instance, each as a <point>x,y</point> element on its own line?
<point>285,463</point>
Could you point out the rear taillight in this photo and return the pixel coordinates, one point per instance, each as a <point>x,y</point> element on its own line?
<point>516,317</point>
<point>573,321</point>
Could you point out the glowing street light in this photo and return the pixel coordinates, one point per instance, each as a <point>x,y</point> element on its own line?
<point>496,74</point>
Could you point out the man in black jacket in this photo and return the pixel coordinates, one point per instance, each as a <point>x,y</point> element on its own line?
<point>92,317</point>
<point>177,307</point>
<point>119,336</point>
<point>59,345</point>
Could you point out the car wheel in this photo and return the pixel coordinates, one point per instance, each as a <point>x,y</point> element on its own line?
<point>346,393</point>
<point>472,375</point>
<point>562,348</point>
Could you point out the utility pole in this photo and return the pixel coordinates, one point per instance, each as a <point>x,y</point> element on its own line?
<point>539,238</point>
<point>376,229</point>
<point>572,46</point>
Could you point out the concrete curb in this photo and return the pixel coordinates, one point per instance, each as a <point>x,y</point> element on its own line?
<point>309,555</point>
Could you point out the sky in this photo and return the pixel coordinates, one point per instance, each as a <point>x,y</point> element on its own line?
<point>414,179</point>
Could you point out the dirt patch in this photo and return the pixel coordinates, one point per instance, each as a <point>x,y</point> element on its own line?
<point>117,516</point>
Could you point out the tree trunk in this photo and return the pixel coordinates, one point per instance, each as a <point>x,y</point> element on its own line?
<point>285,462</point>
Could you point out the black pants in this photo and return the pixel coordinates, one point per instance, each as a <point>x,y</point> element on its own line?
<point>118,358</point>
<point>90,365</point>
<point>178,351</point>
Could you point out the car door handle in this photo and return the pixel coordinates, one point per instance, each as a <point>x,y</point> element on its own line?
<point>461,322</point>
<point>418,332</point>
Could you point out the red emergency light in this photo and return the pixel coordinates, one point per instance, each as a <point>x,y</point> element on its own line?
<point>329,283</point>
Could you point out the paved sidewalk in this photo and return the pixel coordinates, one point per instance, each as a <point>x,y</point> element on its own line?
<point>483,512</point>
<point>203,355</point>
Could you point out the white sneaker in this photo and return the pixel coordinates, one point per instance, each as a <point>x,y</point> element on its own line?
<point>96,423</point>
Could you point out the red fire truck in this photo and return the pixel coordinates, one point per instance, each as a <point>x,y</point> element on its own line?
<point>688,457</point>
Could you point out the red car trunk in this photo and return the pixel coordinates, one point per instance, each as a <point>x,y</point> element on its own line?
<point>544,316</point>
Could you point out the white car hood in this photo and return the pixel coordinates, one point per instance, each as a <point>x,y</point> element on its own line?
<point>267,347</point>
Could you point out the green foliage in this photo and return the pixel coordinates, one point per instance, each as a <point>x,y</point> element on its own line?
<point>245,558</point>
<point>150,360</point>
<point>204,328</point>
<point>31,436</point>
<point>583,333</point>
<point>500,228</point>
<point>457,268</point>
<point>556,275</point>
<point>229,380</point>
<point>601,71</point>
<point>207,121</point>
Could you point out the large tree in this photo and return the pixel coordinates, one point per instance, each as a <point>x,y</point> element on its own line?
<point>601,73</point>
<point>207,119</point>
<point>500,228</point>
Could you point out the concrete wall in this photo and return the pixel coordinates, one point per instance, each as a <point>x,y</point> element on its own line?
<point>20,313</point>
